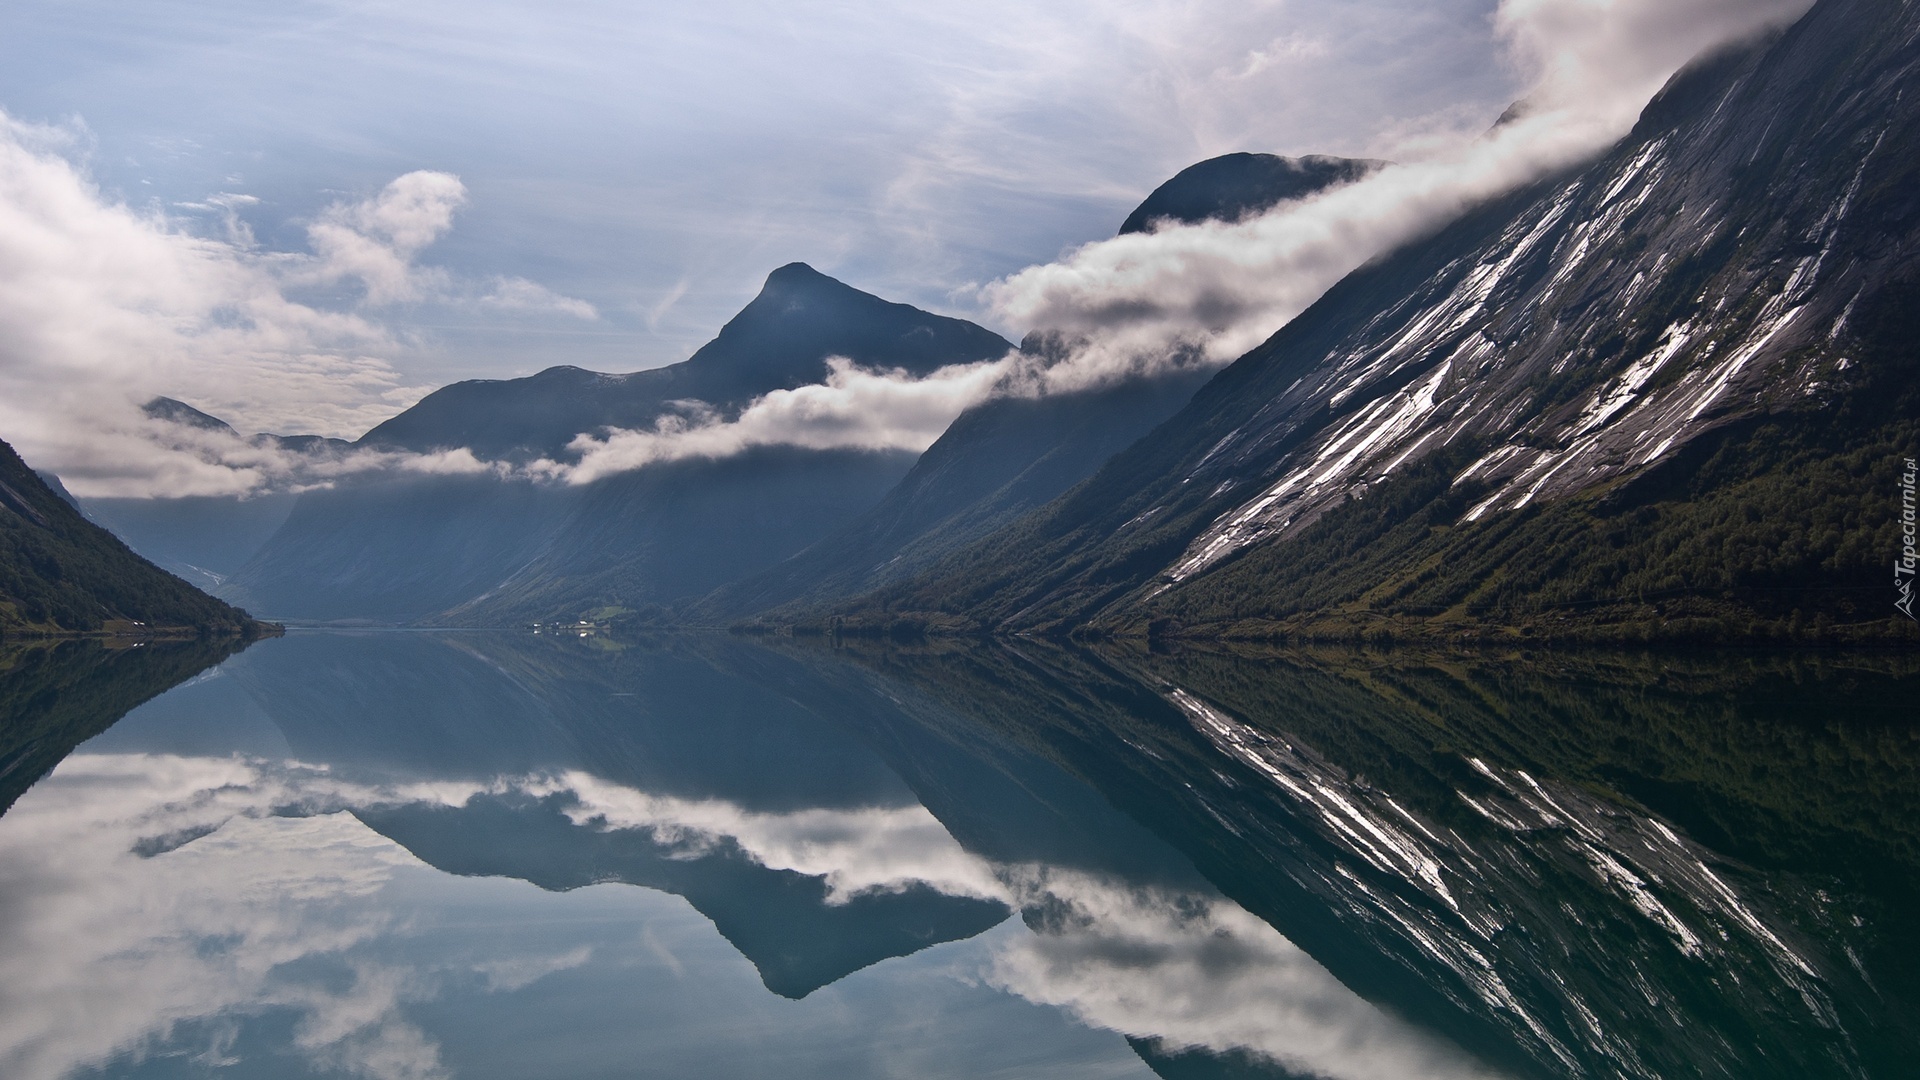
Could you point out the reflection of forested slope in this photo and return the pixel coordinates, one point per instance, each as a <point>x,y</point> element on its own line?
<point>53,697</point>
<point>1746,754</point>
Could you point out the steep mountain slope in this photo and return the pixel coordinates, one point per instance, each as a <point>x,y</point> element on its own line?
<point>60,573</point>
<point>998,461</point>
<point>492,551</point>
<point>1006,456</point>
<point>1668,394</point>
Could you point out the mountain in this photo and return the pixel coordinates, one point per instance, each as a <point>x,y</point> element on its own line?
<point>1007,456</point>
<point>492,551</point>
<point>778,341</point>
<point>62,574</point>
<point>1667,395</point>
<point>1492,846</point>
<point>1234,186</point>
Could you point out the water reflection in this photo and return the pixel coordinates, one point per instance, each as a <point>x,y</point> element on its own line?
<point>1455,836</point>
<point>409,855</point>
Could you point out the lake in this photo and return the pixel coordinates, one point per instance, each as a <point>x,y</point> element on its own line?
<point>413,855</point>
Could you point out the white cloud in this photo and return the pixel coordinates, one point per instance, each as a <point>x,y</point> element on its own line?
<point>108,952</point>
<point>519,294</point>
<point>1197,972</point>
<point>1201,295</point>
<point>104,306</point>
<point>855,408</point>
<point>163,891</point>
<point>1210,292</point>
<point>1203,973</point>
<point>375,240</point>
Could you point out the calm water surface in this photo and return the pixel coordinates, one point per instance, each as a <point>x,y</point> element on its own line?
<point>412,855</point>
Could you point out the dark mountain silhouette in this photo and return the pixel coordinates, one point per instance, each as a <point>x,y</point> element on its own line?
<point>778,341</point>
<point>1234,186</point>
<point>406,707</point>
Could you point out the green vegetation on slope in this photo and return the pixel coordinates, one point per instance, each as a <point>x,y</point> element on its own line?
<point>62,574</point>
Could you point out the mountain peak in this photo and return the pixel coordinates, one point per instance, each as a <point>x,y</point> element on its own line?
<point>798,272</point>
<point>179,412</point>
<point>1234,186</point>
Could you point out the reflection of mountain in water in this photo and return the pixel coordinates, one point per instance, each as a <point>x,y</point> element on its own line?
<point>56,694</point>
<point>1453,836</point>
<point>783,921</point>
<point>398,706</point>
<point>1586,866</point>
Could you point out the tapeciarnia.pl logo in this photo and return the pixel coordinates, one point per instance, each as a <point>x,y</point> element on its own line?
<point>1903,567</point>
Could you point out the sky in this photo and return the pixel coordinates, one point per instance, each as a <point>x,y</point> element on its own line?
<point>304,216</point>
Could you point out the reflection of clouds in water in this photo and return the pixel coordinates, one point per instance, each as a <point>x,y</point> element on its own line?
<point>874,849</point>
<point>1204,973</point>
<point>105,952</point>
<point>107,949</point>
<point>1197,972</point>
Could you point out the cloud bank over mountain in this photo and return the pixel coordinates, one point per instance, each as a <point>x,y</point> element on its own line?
<point>104,305</point>
<point>1145,304</point>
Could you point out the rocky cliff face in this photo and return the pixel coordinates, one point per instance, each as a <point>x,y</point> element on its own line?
<point>1742,256</point>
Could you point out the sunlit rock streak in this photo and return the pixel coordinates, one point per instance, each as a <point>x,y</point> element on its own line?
<point>1622,314</point>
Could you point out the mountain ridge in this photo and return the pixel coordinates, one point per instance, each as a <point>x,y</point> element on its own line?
<point>483,550</point>
<point>780,340</point>
<point>1578,331</point>
<point>1008,455</point>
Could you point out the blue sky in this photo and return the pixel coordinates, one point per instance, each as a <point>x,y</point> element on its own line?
<point>302,217</point>
<point>657,160</point>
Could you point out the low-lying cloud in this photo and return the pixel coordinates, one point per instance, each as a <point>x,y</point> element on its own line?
<point>1197,296</point>
<point>104,306</point>
<point>856,408</point>
<point>178,895</point>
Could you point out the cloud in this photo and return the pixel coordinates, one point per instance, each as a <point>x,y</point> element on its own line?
<point>213,929</point>
<point>1208,293</point>
<point>856,408</point>
<point>519,294</point>
<point>1200,972</point>
<point>1197,296</point>
<point>1195,971</point>
<point>175,895</point>
<point>104,307</point>
<point>376,240</point>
